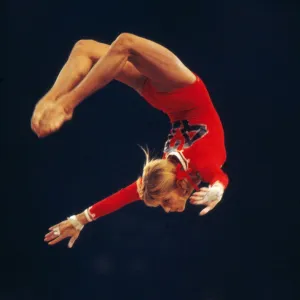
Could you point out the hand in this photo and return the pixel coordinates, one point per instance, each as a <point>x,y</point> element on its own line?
<point>49,116</point>
<point>62,231</point>
<point>209,197</point>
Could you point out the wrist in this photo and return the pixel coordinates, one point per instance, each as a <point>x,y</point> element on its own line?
<point>82,218</point>
<point>219,185</point>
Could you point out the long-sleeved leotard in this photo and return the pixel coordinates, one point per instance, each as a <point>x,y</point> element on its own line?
<point>196,139</point>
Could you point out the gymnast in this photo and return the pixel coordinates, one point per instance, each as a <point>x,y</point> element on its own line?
<point>194,151</point>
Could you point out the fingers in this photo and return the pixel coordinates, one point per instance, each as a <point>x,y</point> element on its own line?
<point>198,198</point>
<point>72,240</point>
<point>60,238</point>
<point>57,225</point>
<point>198,202</point>
<point>61,231</point>
<point>209,206</point>
<point>53,239</point>
<point>55,231</point>
<point>207,198</point>
<point>50,236</point>
<point>205,210</point>
<point>199,194</point>
<point>52,227</point>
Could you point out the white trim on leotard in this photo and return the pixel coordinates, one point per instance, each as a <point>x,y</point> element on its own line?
<point>184,162</point>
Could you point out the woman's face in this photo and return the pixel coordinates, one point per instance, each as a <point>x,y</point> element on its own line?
<point>174,201</point>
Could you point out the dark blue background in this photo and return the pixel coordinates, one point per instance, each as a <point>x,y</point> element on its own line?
<point>240,49</point>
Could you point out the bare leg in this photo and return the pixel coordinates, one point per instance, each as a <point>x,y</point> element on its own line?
<point>154,61</point>
<point>82,58</point>
<point>75,69</point>
<point>144,58</point>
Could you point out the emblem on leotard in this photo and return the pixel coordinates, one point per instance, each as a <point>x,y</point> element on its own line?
<point>183,135</point>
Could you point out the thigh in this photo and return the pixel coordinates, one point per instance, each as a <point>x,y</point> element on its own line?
<point>160,65</point>
<point>129,74</point>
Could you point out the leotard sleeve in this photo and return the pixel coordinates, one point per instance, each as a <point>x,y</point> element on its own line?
<point>114,202</point>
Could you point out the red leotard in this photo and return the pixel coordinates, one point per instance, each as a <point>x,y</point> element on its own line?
<point>196,138</point>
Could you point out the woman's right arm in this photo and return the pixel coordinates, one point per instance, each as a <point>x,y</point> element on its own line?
<point>73,225</point>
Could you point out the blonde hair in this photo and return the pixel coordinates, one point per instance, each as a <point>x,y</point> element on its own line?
<point>159,178</point>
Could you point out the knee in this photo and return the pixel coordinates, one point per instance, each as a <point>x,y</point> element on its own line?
<point>124,42</point>
<point>80,47</point>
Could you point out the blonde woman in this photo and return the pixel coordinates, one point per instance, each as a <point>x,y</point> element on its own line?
<point>194,150</point>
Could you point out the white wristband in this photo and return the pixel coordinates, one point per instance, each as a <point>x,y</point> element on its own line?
<point>76,224</point>
<point>87,215</point>
<point>219,184</point>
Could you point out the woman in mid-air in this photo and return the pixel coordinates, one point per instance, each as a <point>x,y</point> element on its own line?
<point>194,151</point>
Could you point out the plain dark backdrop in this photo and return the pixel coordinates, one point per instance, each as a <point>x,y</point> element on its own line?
<point>241,49</point>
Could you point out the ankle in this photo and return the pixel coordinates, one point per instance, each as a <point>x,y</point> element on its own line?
<point>52,96</point>
<point>66,102</point>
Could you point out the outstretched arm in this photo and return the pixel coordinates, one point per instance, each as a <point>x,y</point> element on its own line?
<point>114,202</point>
<point>73,225</point>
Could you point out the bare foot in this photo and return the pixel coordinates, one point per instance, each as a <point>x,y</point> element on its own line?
<point>49,115</point>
